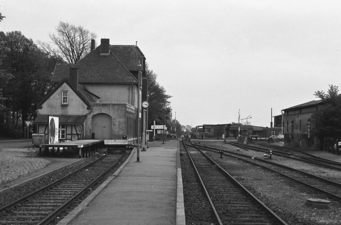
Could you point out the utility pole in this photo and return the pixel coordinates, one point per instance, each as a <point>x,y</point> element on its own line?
<point>271,119</point>
<point>144,106</point>
<point>138,113</point>
<point>175,124</point>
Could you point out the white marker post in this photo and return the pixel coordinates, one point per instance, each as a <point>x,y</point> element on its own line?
<point>154,131</point>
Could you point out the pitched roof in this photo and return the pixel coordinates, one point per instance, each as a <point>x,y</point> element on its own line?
<point>304,105</point>
<point>89,96</point>
<point>86,98</point>
<point>129,55</point>
<point>98,69</point>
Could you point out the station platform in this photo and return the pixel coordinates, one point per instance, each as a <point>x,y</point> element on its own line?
<point>84,147</point>
<point>145,192</point>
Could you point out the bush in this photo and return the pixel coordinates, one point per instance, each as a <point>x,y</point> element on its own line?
<point>10,131</point>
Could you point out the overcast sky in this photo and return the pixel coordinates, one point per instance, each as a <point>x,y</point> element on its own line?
<point>213,57</point>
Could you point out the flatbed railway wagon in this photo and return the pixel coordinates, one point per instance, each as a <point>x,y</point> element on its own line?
<point>113,145</point>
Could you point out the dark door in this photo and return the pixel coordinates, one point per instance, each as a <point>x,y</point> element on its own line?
<point>101,126</point>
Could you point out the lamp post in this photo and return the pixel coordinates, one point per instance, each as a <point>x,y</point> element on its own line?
<point>144,106</point>
<point>282,123</point>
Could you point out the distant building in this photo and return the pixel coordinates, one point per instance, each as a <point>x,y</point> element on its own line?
<point>297,124</point>
<point>278,121</point>
<point>252,131</point>
<point>218,131</point>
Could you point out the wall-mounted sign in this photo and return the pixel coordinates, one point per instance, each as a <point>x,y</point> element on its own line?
<point>159,127</point>
<point>53,129</point>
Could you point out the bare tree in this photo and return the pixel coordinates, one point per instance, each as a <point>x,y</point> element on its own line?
<point>72,42</point>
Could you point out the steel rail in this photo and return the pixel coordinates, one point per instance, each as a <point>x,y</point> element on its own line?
<point>307,154</point>
<point>203,186</point>
<point>245,190</point>
<point>48,186</point>
<point>273,163</point>
<point>52,215</point>
<point>288,149</point>
<point>57,212</point>
<point>260,149</point>
<point>313,159</point>
<point>336,197</point>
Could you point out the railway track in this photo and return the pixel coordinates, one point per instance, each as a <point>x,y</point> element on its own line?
<point>307,156</point>
<point>230,201</point>
<point>293,154</point>
<point>46,204</point>
<point>322,185</point>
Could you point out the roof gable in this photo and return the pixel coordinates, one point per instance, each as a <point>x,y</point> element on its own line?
<point>84,98</point>
<point>96,68</point>
<point>129,55</point>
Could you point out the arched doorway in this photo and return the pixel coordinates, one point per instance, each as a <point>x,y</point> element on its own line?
<point>101,126</point>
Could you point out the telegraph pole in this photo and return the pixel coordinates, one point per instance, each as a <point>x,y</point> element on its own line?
<point>138,113</point>
<point>175,125</point>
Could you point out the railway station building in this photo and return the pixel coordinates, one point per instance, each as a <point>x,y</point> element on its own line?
<point>97,98</point>
<point>297,125</point>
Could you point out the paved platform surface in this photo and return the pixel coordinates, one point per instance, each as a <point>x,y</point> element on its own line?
<point>144,192</point>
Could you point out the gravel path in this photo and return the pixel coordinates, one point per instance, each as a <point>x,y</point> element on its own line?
<point>20,164</point>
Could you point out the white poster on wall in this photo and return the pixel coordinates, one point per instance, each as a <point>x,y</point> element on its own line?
<point>53,129</point>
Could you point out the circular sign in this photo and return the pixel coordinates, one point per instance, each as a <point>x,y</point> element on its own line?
<point>52,132</point>
<point>145,104</point>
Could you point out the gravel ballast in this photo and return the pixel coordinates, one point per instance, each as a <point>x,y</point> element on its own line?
<point>286,198</point>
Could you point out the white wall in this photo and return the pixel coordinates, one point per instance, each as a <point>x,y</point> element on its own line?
<point>109,93</point>
<point>53,105</point>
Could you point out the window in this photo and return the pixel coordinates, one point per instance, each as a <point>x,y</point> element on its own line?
<point>292,126</point>
<point>300,125</point>
<point>308,127</point>
<point>62,131</point>
<point>130,95</point>
<point>64,97</point>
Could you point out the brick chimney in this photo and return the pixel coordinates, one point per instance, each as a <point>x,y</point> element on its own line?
<point>73,76</point>
<point>104,46</point>
<point>93,45</point>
